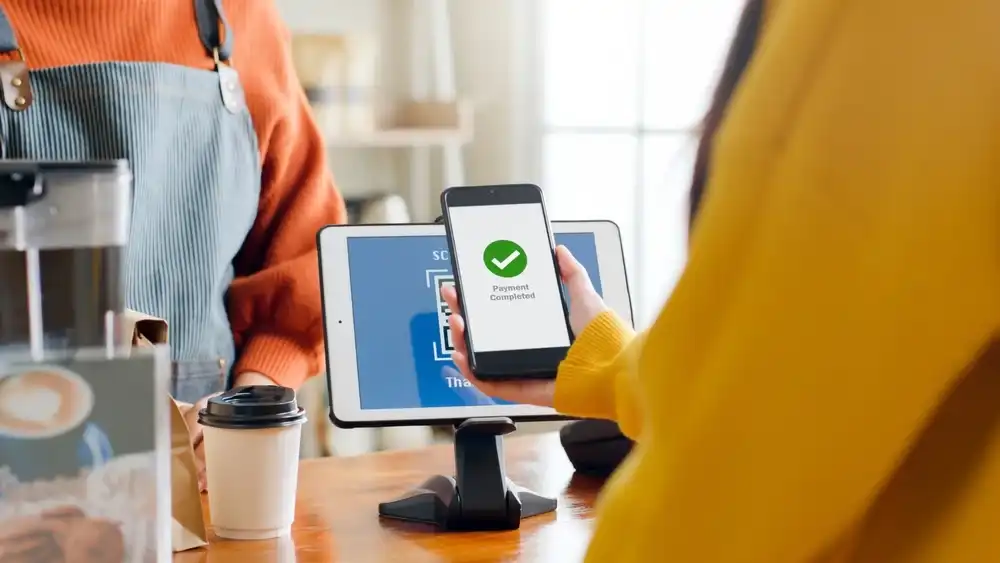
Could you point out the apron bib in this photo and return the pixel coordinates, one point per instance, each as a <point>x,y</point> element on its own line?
<point>189,139</point>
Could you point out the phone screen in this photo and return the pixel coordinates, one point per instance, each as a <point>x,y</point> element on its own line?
<point>510,288</point>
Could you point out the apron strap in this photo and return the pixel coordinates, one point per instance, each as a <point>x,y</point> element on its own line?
<point>14,83</point>
<point>8,41</point>
<point>219,44</point>
<point>211,17</point>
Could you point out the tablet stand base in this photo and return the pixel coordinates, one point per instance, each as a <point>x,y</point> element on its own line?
<point>480,496</point>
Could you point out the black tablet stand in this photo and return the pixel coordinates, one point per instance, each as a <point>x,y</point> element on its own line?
<point>480,496</point>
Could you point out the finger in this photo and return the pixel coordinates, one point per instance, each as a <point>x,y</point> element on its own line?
<point>450,296</point>
<point>462,363</point>
<point>194,428</point>
<point>570,269</point>
<point>457,324</point>
<point>199,462</point>
<point>199,454</point>
<point>487,388</point>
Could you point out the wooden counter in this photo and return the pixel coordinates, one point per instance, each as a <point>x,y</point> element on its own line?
<point>337,513</point>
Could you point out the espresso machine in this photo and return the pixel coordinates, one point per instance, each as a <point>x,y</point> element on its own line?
<point>63,231</point>
<point>84,419</point>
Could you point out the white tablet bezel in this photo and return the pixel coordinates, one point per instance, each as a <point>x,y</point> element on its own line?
<point>338,318</point>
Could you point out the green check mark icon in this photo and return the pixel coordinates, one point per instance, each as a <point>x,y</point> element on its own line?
<point>505,258</point>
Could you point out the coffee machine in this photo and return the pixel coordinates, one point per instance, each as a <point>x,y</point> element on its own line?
<point>84,419</point>
<point>63,230</point>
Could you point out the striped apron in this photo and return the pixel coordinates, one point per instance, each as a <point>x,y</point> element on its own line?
<point>189,139</point>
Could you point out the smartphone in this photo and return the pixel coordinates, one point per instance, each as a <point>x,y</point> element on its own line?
<point>507,278</point>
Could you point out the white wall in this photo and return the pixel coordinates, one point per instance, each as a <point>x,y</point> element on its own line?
<point>492,69</point>
<point>331,16</point>
<point>357,172</point>
<point>495,41</point>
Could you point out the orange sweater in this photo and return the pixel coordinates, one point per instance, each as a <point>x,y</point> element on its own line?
<point>274,303</point>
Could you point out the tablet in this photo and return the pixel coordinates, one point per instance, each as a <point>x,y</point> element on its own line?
<point>388,342</point>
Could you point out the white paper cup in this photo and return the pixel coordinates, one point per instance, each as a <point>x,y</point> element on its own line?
<point>252,437</point>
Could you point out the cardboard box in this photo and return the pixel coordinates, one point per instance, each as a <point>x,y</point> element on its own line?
<point>85,457</point>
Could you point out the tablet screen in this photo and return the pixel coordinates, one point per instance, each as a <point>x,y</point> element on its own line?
<point>402,339</point>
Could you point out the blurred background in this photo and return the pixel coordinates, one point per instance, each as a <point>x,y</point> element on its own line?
<point>597,101</point>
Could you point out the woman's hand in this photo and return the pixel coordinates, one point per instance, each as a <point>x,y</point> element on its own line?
<point>585,305</point>
<point>195,430</point>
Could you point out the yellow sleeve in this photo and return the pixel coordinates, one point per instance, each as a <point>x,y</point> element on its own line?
<point>596,379</point>
<point>843,275</point>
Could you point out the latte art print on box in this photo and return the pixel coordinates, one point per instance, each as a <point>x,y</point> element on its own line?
<point>79,475</point>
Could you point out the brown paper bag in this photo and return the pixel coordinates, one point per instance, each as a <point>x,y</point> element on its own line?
<point>188,528</point>
<point>188,531</point>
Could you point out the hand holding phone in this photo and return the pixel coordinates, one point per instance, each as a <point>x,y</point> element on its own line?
<point>507,278</point>
<point>585,306</point>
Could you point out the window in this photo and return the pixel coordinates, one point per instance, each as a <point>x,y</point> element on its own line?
<point>625,84</point>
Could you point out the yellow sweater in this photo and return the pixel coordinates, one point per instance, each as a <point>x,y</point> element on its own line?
<point>823,385</point>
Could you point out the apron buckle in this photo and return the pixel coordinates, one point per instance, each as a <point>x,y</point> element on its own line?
<point>229,84</point>
<point>15,83</point>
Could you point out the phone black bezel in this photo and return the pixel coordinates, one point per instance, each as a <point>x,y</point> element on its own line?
<point>539,363</point>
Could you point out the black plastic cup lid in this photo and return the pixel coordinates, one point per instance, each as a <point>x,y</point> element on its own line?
<point>253,407</point>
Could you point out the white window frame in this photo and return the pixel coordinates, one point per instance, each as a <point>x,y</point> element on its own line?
<point>533,123</point>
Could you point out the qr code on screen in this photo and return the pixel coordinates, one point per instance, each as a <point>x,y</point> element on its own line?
<point>444,345</point>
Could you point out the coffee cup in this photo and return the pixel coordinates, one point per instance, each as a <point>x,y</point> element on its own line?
<point>252,438</point>
<point>40,401</point>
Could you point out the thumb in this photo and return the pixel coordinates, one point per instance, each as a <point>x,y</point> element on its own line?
<point>573,273</point>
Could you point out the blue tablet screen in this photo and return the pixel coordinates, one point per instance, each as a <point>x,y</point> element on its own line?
<point>400,322</point>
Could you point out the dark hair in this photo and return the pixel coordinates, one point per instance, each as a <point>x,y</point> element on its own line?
<point>742,48</point>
